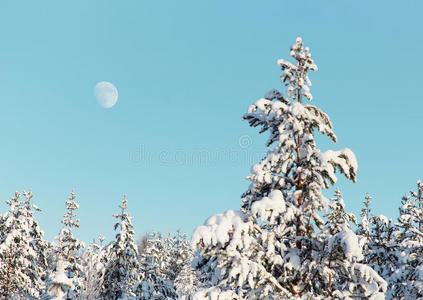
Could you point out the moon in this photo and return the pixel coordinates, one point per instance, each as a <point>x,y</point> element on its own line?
<point>106,94</point>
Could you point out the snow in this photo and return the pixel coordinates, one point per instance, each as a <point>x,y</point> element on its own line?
<point>214,293</point>
<point>383,219</point>
<point>268,208</point>
<point>262,103</point>
<point>285,64</point>
<point>349,242</point>
<point>219,228</point>
<point>293,260</point>
<point>377,296</point>
<point>273,94</point>
<point>59,282</point>
<point>59,278</point>
<point>343,159</point>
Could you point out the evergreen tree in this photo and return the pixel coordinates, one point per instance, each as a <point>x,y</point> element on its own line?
<point>186,278</point>
<point>407,280</point>
<point>231,259</point>
<point>69,249</point>
<point>381,251</point>
<point>341,259</point>
<point>121,272</point>
<point>337,218</point>
<point>159,267</point>
<point>22,251</point>
<point>93,267</point>
<point>363,227</point>
<point>186,283</point>
<point>300,171</point>
<point>58,284</point>
<point>283,201</point>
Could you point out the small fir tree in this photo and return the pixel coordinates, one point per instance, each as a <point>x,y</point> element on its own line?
<point>122,269</point>
<point>69,249</point>
<point>93,267</point>
<point>407,280</point>
<point>340,258</point>
<point>58,284</point>
<point>159,266</point>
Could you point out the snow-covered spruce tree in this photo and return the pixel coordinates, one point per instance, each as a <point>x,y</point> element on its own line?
<point>186,278</point>
<point>280,208</point>
<point>231,259</point>
<point>58,284</point>
<point>37,244</point>
<point>22,251</point>
<point>141,244</point>
<point>380,252</point>
<point>186,283</point>
<point>365,214</point>
<point>70,248</point>
<point>340,254</point>
<point>337,218</point>
<point>377,235</point>
<point>297,168</point>
<point>121,272</point>
<point>93,268</point>
<point>157,269</point>
<point>406,282</point>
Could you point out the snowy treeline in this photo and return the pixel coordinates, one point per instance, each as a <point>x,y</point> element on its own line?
<point>287,241</point>
<point>158,267</point>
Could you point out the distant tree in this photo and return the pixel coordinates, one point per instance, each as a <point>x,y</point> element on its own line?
<point>156,267</point>
<point>141,245</point>
<point>406,281</point>
<point>363,226</point>
<point>337,218</point>
<point>381,251</point>
<point>122,268</point>
<point>94,269</point>
<point>340,257</point>
<point>185,277</point>
<point>378,236</point>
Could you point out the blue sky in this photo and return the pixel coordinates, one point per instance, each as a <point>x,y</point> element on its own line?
<point>186,72</point>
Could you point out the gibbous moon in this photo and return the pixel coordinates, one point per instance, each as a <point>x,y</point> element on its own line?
<point>106,94</point>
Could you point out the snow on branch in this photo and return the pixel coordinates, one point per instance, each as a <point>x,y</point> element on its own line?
<point>344,160</point>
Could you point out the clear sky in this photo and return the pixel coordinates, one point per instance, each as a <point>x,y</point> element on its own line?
<point>186,72</point>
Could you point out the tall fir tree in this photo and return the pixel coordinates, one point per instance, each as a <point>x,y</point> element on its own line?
<point>280,209</point>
